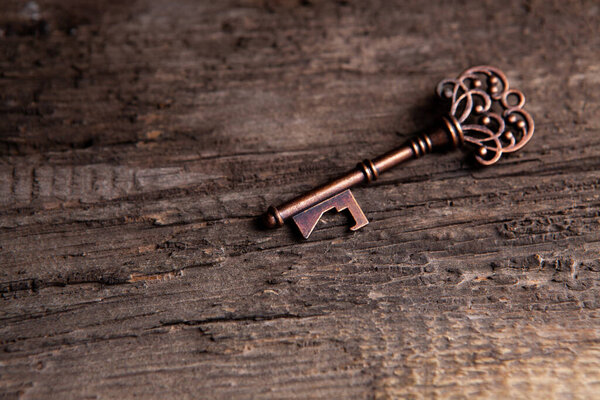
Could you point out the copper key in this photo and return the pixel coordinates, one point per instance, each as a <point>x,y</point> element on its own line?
<point>484,113</point>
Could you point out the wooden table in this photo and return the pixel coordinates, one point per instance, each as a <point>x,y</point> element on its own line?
<point>138,143</point>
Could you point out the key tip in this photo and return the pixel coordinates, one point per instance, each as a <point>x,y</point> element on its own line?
<point>272,219</point>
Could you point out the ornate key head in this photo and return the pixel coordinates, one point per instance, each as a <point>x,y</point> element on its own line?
<point>490,114</point>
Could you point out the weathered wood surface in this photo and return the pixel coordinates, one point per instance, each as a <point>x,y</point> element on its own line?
<point>139,142</point>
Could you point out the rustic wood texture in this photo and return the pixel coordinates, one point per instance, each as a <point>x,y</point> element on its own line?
<point>139,142</point>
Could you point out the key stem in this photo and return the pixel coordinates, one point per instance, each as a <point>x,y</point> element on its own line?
<point>447,135</point>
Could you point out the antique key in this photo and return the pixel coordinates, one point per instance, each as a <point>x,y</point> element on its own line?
<point>484,113</point>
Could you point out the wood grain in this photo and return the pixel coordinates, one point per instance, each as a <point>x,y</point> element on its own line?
<point>138,143</point>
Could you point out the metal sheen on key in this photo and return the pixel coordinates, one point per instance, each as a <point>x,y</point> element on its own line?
<point>485,114</point>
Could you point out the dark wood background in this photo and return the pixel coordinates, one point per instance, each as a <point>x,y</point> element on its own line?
<point>139,142</point>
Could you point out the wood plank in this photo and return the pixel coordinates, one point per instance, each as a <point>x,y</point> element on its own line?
<point>139,142</point>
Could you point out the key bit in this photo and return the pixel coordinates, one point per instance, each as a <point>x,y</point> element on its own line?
<point>307,220</point>
<point>484,113</point>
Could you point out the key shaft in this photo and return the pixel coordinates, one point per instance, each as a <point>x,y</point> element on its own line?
<point>447,135</point>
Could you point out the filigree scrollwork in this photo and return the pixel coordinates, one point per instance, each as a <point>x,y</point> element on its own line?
<point>490,114</point>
